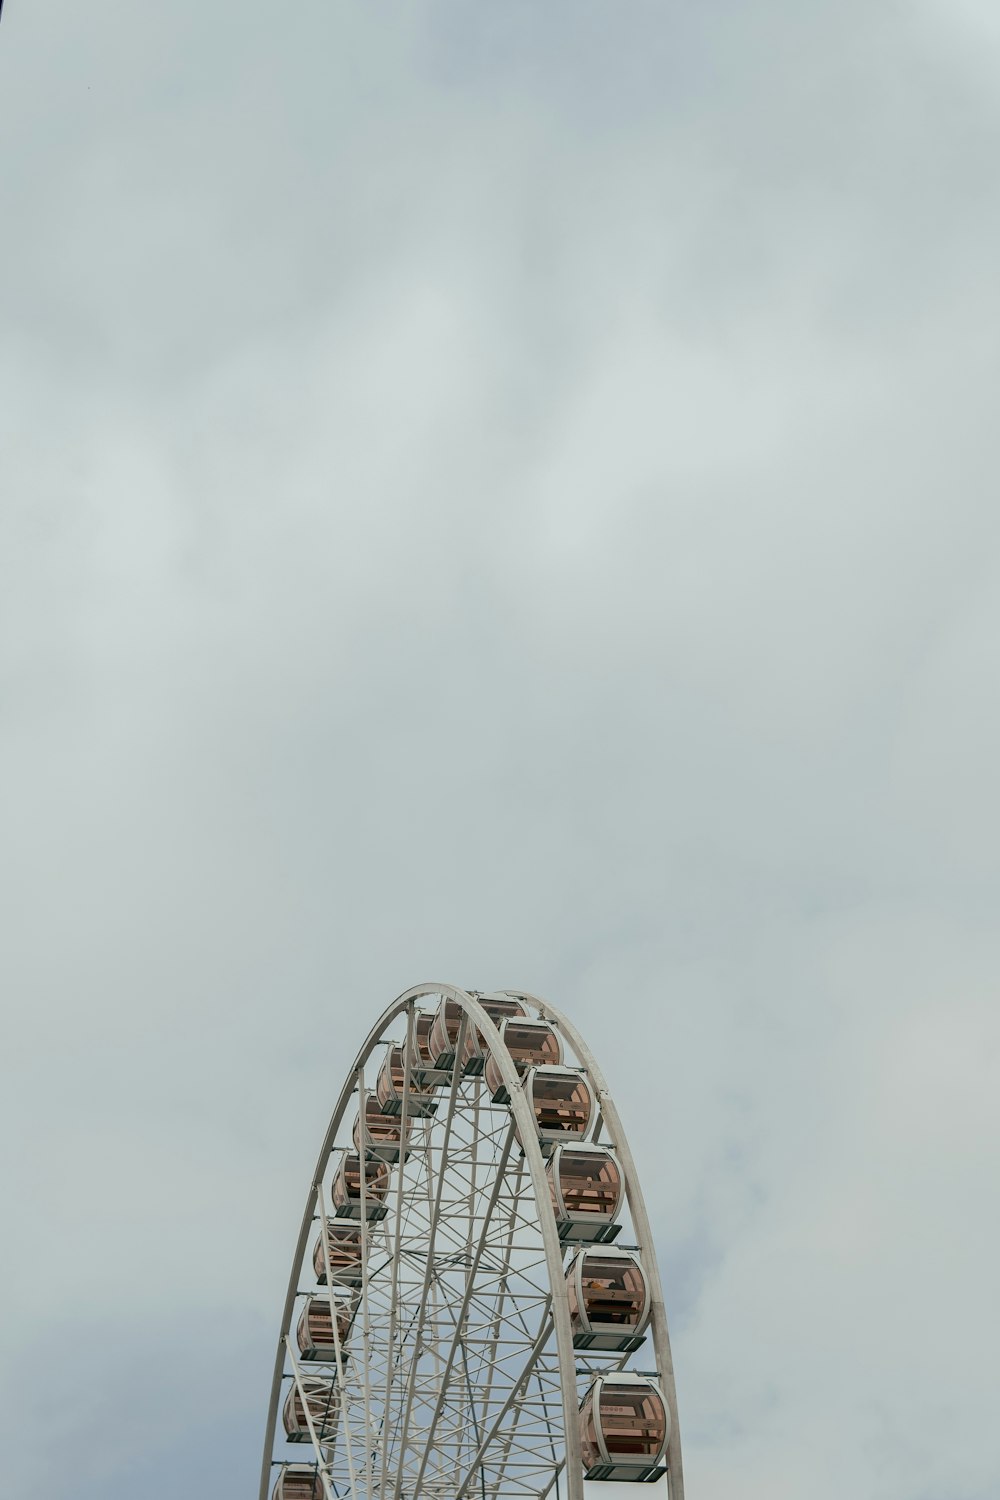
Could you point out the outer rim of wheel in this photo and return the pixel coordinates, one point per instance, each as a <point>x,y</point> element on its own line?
<point>640,1223</point>
<point>525,1122</point>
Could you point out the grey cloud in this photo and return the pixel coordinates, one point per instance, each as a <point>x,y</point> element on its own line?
<point>503,495</point>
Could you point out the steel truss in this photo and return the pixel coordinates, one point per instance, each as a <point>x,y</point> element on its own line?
<point>458,1376</point>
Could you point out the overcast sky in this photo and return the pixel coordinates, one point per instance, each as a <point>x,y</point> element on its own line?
<point>504,493</point>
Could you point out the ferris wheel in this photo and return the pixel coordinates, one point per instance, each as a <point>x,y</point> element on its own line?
<point>474,1310</point>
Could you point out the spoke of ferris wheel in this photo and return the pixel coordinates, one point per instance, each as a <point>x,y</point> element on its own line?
<point>365,1236</point>
<point>473,1337</point>
<point>395,1257</point>
<point>477,1143</point>
<point>515,1389</point>
<point>499,1464</point>
<point>507,1446</point>
<point>452,1440</point>
<point>321,1460</point>
<point>510,1437</point>
<point>554,1479</point>
<point>395,1359</point>
<point>467,1335</point>
<point>463,1310</point>
<point>442,1264</point>
<point>435,1215</point>
<point>502,1287</point>
<point>338,1351</point>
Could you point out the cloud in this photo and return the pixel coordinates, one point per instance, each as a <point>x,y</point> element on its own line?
<point>502,496</point>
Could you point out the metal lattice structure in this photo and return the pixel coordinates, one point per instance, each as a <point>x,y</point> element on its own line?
<point>474,1308</point>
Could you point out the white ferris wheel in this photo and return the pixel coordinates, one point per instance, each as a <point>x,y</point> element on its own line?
<point>474,1310</point>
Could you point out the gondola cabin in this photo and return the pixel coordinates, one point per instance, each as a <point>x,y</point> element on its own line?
<point>298,1482</point>
<point>381,1135</point>
<point>608,1300</point>
<point>314,1332</point>
<point>531,1044</point>
<point>391,1084</point>
<point>476,1051</point>
<point>423,1022</point>
<point>324,1404</point>
<point>562,1103</point>
<point>624,1430</point>
<point>347,1188</point>
<point>428,1074</point>
<point>343,1250</point>
<point>585,1185</point>
<point>444,1033</point>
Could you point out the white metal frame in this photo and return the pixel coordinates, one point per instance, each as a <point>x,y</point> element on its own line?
<point>461,1351</point>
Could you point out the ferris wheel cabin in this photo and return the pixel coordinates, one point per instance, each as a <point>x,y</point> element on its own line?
<point>562,1103</point>
<point>324,1404</point>
<point>443,1039</point>
<point>314,1331</point>
<point>585,1186</point>
<point>609,1301</point>
<point>382,1134</point>
<point>297,1482</point>
<point>343,1249</point>
<point>476,1051</point>
<point>428,1074</point>
<point>531,1044</point>
<point>347,1188</point>
<point>391,1083</point>
<point>624,1430</point>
